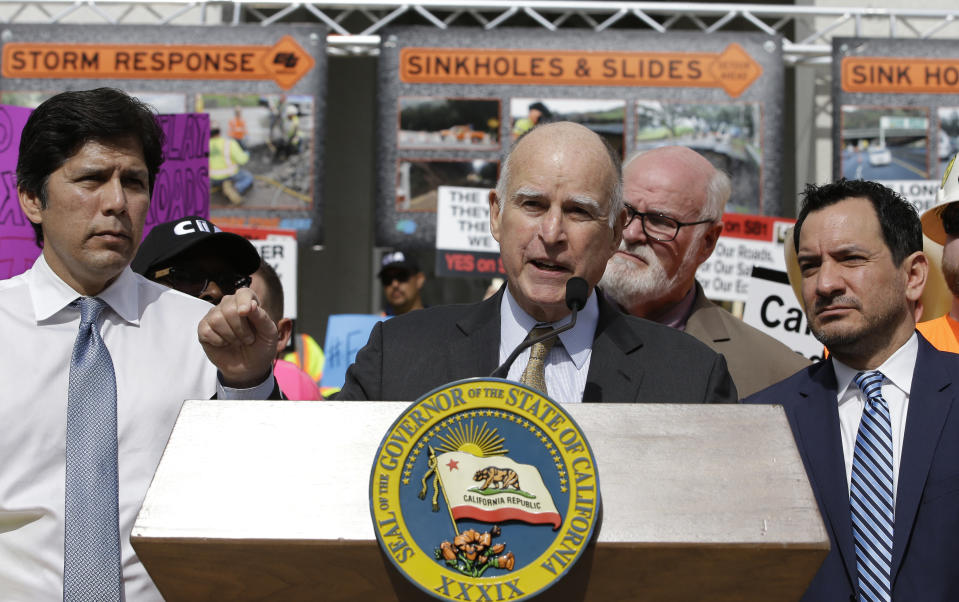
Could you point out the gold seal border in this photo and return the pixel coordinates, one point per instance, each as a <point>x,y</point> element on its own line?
<point>437,410</point>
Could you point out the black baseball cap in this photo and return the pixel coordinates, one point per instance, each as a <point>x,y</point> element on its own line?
<point>168,240</point>
<point>398,260</point>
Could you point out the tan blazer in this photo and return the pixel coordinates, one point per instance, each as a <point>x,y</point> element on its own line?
<point>755,359</point>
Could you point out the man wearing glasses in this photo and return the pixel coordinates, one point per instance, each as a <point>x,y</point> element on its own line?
<point>402,282</point>
<point>674,202</point>
<point>195,257</point>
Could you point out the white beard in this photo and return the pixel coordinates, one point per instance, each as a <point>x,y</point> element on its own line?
<point>630,285</point>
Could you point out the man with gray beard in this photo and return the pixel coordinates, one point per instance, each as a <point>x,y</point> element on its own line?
<point>674,202</point>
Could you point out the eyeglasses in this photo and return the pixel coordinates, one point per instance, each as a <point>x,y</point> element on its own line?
<point>194,282</point>
<point>658,226</point>
<point>388,278</point>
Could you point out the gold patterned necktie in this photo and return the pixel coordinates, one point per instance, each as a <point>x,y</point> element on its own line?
<point>535,373</point>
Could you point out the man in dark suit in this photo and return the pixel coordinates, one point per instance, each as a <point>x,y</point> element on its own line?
<point>675,200</point>
<point>873,423</point>
<point>557,213</point>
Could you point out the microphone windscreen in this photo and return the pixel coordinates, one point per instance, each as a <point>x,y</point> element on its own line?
<point>576,292</point>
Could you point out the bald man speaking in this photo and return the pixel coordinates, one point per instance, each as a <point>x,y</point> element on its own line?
<point>557,213</point>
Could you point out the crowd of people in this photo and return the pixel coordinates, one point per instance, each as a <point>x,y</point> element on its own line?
<point>105,336</point>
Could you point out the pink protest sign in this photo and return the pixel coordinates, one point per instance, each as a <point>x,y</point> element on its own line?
<point>182,186</point>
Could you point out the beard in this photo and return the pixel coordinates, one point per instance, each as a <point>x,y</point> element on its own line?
<point>866,338</point>
<point>630,284</point>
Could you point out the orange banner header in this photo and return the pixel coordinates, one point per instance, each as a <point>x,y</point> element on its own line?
<point>895,74</point>
<point>733,70</point>
<point>285,62</point>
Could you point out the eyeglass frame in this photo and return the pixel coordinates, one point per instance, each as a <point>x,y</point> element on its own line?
<point>241,281</point>
<point>632,214</point>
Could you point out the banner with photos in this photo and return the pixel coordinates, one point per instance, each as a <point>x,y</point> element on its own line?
<point>452,102</point>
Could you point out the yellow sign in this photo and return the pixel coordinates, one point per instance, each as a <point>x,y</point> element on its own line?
<point>285,62</point>
<point>733,70</point>
<point>484,490</point>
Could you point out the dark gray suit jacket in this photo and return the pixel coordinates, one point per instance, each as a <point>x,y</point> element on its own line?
<point>633,360</point>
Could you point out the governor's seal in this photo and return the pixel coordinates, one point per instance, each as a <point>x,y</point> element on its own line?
<point>484,490</point>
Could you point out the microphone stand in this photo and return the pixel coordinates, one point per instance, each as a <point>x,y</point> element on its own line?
<point>574,304</point>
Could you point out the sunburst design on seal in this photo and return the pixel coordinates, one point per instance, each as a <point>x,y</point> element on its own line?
<point>480,441</point>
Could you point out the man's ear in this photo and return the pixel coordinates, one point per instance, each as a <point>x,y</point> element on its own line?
<point>494,214</point>
<point>709,241</point>
<point>916,269</point>
<point>31,206</point>
<point>420,278</point>
<point>284,328</point>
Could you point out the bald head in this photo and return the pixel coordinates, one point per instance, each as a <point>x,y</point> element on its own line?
<point>570,137</point>
<point>556,213</point>
<point>679,167</point>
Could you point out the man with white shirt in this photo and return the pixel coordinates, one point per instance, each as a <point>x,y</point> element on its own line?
<point>873,422</point>
<point>96,360</point>
<point>557,212</point>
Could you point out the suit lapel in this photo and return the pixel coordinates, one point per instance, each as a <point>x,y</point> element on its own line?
<point>701,323</point>
<point>817,422</point>
<point>476,353</point>
<point>612,376</point>
<point>930,400</point>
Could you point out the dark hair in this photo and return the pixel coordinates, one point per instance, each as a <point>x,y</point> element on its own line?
<point>950,219</point>
<point>273,304</point>
<point>898,219</point>
<point>61,125</point>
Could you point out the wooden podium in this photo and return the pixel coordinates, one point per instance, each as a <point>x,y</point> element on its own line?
<point>268,500</point>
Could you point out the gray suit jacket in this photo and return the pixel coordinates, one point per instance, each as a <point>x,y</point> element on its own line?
<point>755,359</point>
<point>632,360</point>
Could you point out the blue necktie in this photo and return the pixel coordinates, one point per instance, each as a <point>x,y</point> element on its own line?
<point>870,492</point>
<point>91,551</point>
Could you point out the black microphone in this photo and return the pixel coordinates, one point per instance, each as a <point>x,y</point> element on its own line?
<point>576,292</point>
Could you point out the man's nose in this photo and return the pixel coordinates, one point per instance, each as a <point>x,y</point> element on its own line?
<point>634,232</point>
<point>829,280</point>
<point>552,226</point>
<point>113,196</point>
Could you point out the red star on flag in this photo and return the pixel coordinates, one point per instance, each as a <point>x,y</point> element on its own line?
<point>453,464</point>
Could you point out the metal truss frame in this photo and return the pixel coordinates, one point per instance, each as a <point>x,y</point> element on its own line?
<point>355,26</point>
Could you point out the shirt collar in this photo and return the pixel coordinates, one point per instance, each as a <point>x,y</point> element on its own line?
<point>515,324</point>
<point>50,294</point>
<point>677,315</point>
<point>897,369</point>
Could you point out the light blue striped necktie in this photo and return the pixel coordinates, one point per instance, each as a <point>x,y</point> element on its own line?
<point>870,492</point>
<point>91,550</point>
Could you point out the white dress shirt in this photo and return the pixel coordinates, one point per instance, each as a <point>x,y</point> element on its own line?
<point>151,332</point>
<point>896,385</point>
<point>567,364</point>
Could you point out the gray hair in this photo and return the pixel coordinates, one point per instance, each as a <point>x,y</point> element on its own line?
<point>616,189</point>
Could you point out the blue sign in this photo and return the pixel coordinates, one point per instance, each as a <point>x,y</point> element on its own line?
<point>345,335</point>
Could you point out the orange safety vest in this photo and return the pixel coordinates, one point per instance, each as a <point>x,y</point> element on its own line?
<point>237,128</point>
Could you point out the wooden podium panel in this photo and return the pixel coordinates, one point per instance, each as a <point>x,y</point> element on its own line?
<point>268,500</point>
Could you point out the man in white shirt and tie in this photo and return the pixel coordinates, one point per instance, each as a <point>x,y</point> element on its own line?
<point>96,360</point>
<point>875,423</point>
